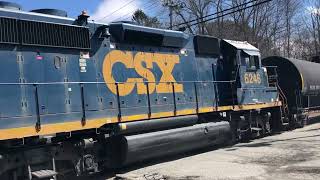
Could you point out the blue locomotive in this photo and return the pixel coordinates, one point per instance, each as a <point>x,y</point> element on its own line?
<point>85,95</point>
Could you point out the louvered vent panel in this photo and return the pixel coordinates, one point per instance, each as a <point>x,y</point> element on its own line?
<point>8,31</point>
<point>43,34</point>
<point>54,35</point>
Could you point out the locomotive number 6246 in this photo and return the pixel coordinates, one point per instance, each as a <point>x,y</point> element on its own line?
<point>252,78</point>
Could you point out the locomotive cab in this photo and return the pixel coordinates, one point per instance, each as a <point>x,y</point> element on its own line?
<point>250,77</point>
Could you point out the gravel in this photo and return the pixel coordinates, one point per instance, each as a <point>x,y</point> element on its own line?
<point>291,155</point>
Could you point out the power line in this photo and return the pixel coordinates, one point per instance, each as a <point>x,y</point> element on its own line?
<point>131,13</point>
<point>156,2</point>
<point>213,14</point>
<point>128,15</point>
<point>125,5</point>
<point>238,10</point>
<point>172,6</point>
<point>243,4</point>
<point>160,13</point>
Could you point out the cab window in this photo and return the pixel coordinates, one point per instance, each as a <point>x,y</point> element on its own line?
<point>254,62</point>
<point>251,62</point>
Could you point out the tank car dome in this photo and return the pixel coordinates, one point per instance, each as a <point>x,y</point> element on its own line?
<point>54,12</point>
<point>10,5</point>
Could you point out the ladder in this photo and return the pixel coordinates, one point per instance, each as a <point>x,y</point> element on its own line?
<point>273,82</point>
<point>284,108</point>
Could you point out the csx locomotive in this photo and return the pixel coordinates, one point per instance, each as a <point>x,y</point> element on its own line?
<point>82,95</point>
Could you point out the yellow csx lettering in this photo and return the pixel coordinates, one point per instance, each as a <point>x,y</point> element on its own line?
<point>143,64</point>
<point>252,78</point>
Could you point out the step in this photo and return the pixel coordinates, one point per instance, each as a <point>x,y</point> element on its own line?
<point>256,129</point>
<point>273,77</point>
<point>285,124</point>
<point>42,174</point>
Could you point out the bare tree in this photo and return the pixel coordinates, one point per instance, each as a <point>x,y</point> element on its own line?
<point>315,20</point>
<point>290,8</point>
<point>193,10</point>
<point>305,42</point>
<point>279,27</point>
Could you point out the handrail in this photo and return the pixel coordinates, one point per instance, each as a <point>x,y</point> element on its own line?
<point>119,108</point>
<point>83,106</point>
<point>284,98</point>
<point>173,83</point>
<point>80,82</point>
<point>254,88</point>
<point>270,66</point>
<point>312,108</point>
<point>231,85</point>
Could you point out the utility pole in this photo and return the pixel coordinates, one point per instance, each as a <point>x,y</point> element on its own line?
<point>172,7</point>
<point>171,16</point>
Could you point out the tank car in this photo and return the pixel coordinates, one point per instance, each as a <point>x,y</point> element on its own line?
<point>299,83</point>
<point>85,96</point>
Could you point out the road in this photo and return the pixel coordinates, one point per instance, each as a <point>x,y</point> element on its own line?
<point>292,155</point>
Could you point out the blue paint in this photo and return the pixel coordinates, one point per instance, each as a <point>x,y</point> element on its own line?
<point>62,102</point>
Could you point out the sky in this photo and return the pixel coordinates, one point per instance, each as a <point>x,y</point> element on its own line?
<point>101,10</point>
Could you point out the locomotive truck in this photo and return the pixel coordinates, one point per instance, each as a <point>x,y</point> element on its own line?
<point>83,96</point>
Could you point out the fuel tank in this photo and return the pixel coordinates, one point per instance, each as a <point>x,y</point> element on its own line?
<point>141,147</point>
<point>156,124</point>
